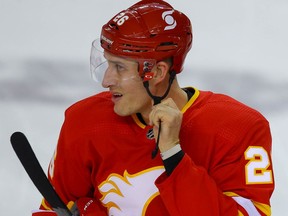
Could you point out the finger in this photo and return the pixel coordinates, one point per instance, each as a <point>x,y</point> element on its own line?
<point>169,102</point>
<point>154,118</point>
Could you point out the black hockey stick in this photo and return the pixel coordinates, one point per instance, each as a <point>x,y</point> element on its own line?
<point>33,168</point>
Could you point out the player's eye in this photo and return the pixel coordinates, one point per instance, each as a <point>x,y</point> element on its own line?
<point>120,67</point>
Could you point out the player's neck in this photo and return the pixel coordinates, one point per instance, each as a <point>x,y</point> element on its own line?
<point>178,95</point>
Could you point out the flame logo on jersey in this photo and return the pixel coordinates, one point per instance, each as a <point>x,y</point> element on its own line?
<point>130,195</point>
<point>171,22</point>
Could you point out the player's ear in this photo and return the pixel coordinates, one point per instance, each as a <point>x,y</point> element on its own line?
<point>161,70</point>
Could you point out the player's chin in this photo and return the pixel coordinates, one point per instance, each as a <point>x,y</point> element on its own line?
<point>122,110</point>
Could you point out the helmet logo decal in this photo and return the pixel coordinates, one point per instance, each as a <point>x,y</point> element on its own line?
<point>170,21</point>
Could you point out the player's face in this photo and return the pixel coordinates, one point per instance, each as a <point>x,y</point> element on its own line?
<point>128,93</point>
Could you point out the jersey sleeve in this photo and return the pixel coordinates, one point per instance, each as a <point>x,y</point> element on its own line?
<point>75,162</point>
<point>240,181</point>
<point>71,167</point>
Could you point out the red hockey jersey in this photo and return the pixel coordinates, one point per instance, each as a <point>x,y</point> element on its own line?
<point>226,169</point>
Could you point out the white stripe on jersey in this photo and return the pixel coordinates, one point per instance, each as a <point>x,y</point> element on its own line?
<point>247,205</point>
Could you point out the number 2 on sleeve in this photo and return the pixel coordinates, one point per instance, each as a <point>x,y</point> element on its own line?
<point>256,169</point>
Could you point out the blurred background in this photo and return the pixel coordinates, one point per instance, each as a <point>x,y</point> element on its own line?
<point>239,48</point>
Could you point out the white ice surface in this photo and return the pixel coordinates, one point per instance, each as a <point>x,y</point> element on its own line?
<point>240,48</point>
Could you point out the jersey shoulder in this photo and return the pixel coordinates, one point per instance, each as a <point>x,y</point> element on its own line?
<point>96,108</point>
<point>90,114</point>
<point>101,101</point>
<point>225,118</point>
<point>222,107</point>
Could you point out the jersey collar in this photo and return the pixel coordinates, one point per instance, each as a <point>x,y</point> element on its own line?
<point>188,104</point>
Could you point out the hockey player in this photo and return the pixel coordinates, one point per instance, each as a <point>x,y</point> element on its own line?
<point>149,147</point>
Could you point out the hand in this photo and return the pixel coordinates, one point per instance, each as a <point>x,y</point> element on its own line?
<point>171,119</point>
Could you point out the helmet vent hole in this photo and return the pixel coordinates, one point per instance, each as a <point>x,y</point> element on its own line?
<point>166,43</point>
<point>129,48</point>
<point>113,26</point>
<point>166,46</point>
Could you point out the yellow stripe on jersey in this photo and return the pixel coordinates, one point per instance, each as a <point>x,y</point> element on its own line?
<point>266,209</point>
<point>138,122</point>
<point>240,213</point>
<point>191,101</point>
<point>44,205</point>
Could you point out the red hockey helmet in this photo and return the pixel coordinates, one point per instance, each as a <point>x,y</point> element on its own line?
<point>149,31</point>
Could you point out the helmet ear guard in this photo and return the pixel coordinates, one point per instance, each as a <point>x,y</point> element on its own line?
<point>147,65</point>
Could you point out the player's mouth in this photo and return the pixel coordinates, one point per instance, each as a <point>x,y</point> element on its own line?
<point>116,97</point>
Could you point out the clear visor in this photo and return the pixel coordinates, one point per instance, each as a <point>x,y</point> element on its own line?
<point>98,64</point>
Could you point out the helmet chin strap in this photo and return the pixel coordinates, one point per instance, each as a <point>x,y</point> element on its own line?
<point>158,99</point>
